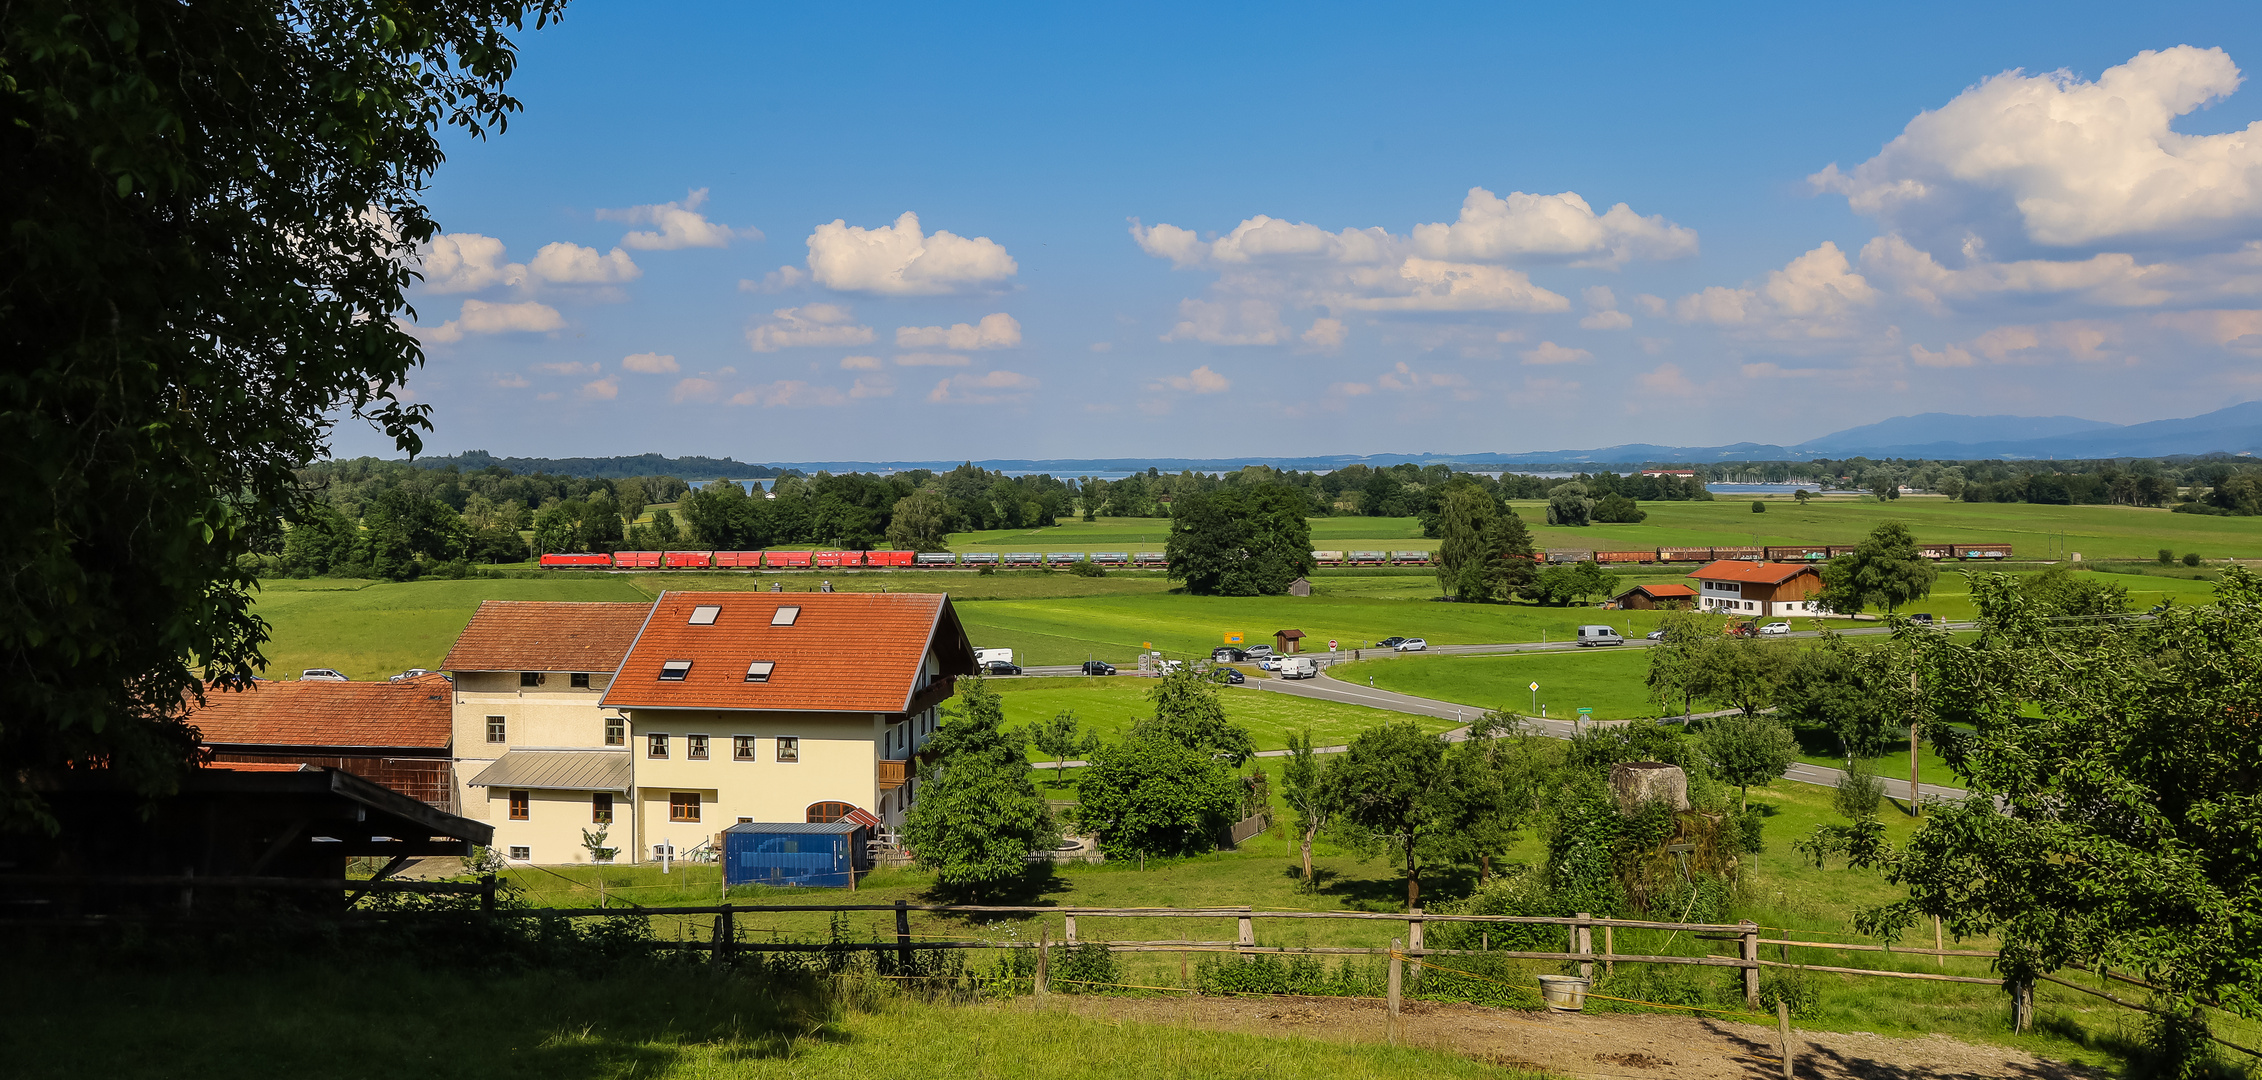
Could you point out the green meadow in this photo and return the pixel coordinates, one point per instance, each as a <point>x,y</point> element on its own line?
<point>369,629</point>
<point>1108,707</point>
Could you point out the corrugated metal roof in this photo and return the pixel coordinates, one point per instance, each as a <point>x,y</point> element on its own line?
<point>847,652</point>
<point>557,770</point>
<point>543,635</point>
<point>828,828</point>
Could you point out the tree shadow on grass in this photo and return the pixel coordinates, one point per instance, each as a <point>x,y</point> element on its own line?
<point>1038,886</point>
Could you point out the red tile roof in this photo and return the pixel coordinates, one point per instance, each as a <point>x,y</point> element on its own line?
<point>1764,573</point>
<point>527,635</point>
<point>847,652</point>
<point>411,713</point>
<point>1663,591</point>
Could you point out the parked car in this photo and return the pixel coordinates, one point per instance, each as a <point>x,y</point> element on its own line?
<point>1297,667</point>
<point>1412,644</point>
<point>1775,629</point>
<point>1229,676</point>
<point>1270,663</point>
<point>321,674</point>
<point>1599,635</point>
<point>411,673</point>
<point>1389,643</point>
<point>1259,652</point>
<point>1001,667</point>
<point>1227,654</point>
<point>1921,618</point>
<point>1098,667</point>
<point>1655,635</point>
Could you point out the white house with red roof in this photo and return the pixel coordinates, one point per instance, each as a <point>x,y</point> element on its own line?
<point>1758,589</point>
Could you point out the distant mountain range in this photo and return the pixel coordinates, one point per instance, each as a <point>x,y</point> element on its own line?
<point>1939,436</point>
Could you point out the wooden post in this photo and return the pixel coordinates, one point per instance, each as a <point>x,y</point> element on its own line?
<point>1916,799</point>
<point>1044,961</point>
<point>1246,934</point>
<point>1397,973</point>
<point>2022,1006</point>
<point>1750,953</point>
<point>1585,946</point>
<point>902,937</point>
<point>1071,928</point>
<point>487,894</point>
<point>1783,1026</point>
<point>1609,947</point>
<point>1414,939</point>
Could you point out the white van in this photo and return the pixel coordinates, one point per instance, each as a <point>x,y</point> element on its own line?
<point>990,656</point>
<point>1599,635</point>
<point>1296,667</point>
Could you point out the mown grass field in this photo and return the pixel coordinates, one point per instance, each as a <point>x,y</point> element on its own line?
<point>1609,681</point>
<point>369,629</point>
<point>1108,707</point>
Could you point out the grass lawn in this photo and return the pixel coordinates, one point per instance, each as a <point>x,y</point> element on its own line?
<point>369,630</point>
<point>298,1019</point>
<point>1108,708</point>
<point>1609,681</point>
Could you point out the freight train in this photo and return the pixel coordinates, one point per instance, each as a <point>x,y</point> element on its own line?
<point>1154,560</point>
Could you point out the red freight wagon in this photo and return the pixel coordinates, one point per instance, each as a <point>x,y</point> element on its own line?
<point>688,560</point>
<point>642,560</point>
<point>575,562</point>
<point>743,560</point>
<point>840,558</point>
<point>786,559</point>
<point>1624,556</point>
<point>891,558</point>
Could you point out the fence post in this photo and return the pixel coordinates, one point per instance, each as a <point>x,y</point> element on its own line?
<point>1246,935</point>
<point>1071,928</point>
<point>730,932</point>
<point>902,937</point>
<point>2022,1005</point>
<point>1044,962</point>
<point>1584,934</point>
<point>487,894</point>
<point>1609,948</point>
<point>1939,949</point>
<point>1750,952</point>
<point>1414,938</point>
<point>1783,1026</point>
<point>1397,972</point>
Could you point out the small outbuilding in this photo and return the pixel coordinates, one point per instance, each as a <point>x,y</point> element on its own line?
<point>1287,641</point>
<point>1303,586</point>
<point>1652,597</point>
<point>822,854</point>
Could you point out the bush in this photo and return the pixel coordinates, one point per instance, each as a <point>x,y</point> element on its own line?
<point>1087,568</point>
<point>1758,507</point>
<point>1084,969</point>
<point>986,568</point>
<point>2167,557</point>
<point>2191,558</point>
<point>1859,792</point>
<point>1789,986</point>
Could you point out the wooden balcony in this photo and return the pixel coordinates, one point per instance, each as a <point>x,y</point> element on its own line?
<point>893,774</point>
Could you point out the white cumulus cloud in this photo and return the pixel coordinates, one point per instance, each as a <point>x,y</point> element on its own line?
<point>569,367</point>
<point>2061,161</point>
<point>928,359</point>
<point>645,363</point>
<point>1244,322</point>
<point>996,331</point>
<point>462,262</point>
<point>572,264</point>
<point>1201,380</point>
<point>1560,226</point>
<point>1817,295</point>
<point>675,225</point>
<point>601,389</point>
<point>1324,334</point>
<point>902,260</point>
<point>1548,352</point>
<point>481,317</point>
<point>809,324</point>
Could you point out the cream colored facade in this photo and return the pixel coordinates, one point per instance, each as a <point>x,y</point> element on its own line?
<point>554,714</point>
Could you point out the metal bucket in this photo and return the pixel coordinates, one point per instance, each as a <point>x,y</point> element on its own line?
<point>1564,993</point>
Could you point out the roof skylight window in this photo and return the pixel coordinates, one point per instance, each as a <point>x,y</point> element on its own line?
<point>675,670</point>
<point>785,616</point>
<point>704,614</point>
<point>759,670</point>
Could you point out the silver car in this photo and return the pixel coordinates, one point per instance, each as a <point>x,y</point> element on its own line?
<point>321,674</point>
<point>1412,644</point>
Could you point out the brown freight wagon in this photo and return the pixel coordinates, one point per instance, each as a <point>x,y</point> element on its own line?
<point>1983,551</point>
<point>1625,556</point>
<point>1684,554</point>
<point>1752,554</point>
<point>1800,553</point>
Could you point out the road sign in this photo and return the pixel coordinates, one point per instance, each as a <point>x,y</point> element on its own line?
<point>1233,638</point>
<point>1331,644</point>
<point>1535,687</point>
<point>1586,712</point>
<point>1146,644</point>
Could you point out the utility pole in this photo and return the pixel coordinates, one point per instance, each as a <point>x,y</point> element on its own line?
<point>1916,802</point>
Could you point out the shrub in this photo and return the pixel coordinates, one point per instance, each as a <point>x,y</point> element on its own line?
<point>2167,557</point>
<point>1087,568</point>
<point>2191,558</point>
<point>1859,792</point>
<point>1084,969</point>
<point>986,568</point>
<point>1758,507</point>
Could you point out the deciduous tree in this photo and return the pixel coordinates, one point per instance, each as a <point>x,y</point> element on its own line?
<point>1746,749</point>
<point>1394,792</point>
<point>978,814</point>
<point>1886,569</point>
<point>1149,795</point>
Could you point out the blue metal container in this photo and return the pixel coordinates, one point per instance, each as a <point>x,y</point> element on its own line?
<point>795,853</point>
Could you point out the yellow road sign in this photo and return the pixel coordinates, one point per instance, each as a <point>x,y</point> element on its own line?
<point>1233,638</point>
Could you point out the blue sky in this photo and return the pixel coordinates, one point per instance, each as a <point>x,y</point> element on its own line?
<point>1185,231</point>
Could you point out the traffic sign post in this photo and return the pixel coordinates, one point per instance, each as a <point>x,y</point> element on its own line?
<point>1584,714</point>
<point>1535,697</point>
<point>1233,638</point>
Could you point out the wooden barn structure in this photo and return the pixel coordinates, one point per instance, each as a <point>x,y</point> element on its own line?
<point>395,734</point>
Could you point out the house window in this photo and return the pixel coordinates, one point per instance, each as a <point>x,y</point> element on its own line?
<point>529,678</point>
<point>497,729</point>
<point>683,806</point>
<point>616,731</point>
<point>789,748</point>
<point>695,747</point>
<point>656,745</point>
<point>522,853</point>
<point>520,806</point>
<point>746,821</point>
<point>759,671</point>
<point>580,680</point>
<point>704,614</point>
<point>784,616</point>
<point>601,808</point>
<point>742,748</point>
<point>825,813</point>
<point>675,670</point>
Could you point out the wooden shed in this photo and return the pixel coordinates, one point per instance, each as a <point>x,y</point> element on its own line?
<point>1649,597</point>
<point>1300,587</point>
<point>1287,641</point>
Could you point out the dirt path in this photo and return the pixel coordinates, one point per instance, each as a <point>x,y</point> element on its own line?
<point>1648,1047</point>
